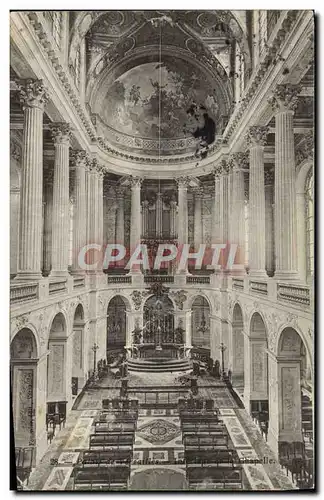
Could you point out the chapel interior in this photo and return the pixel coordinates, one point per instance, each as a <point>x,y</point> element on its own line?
<point>149,128</point>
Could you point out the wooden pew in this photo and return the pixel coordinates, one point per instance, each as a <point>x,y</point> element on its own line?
<point>98,457</point>
<point>210,442</point>
<point>105,475</point>
<point>214,474</point>
<point>215,456</point>
<point>104,440</point>
<point>198,428</point>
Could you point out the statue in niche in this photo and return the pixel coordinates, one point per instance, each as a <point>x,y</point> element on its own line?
<point>137,333</point>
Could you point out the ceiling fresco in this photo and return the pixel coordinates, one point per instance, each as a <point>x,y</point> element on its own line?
<point>154,100</point>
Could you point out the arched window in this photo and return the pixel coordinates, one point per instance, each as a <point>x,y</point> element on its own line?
<point>309,201</point>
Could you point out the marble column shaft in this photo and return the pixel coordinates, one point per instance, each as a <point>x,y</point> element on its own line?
<point>173,215</point>
<point>239,163</point>
<point>198,225</point>
<point>256,141</point>
<point>268,189</point>
<point>284,101</point>
<point>158,215</point>
<point>135,226</point>
<point>33,96</point>
<point>216,237</point>
<point>60,230</point>
<point>80,161</point>
<point>120,217</point>
<point>182,210</point>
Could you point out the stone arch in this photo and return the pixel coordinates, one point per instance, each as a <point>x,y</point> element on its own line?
<point>126,300</point>
<point>57,311</point>
<point>237,362</point>
<point>23,371</point>
<point>304,338</point>
<point>32,328</point>
<point>200,293</point>
<point>116,323</point>
<point>58,364</point>
<point>257,369</point>
<point>78,350</point>
<point>200,324</point>
<point>290,397</point>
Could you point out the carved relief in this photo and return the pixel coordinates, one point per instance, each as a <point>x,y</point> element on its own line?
<point>179,298</point>
<point>137,299</point>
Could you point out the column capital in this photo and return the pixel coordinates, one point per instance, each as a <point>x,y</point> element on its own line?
<point>198,191</point>
<point>239,161</point>
<point>257,136</point>
<point>135,181</point>
<point>61,133</point>
<point>285,97</point>
<point>79,158</point>
<point>120,191</point>
<point>183,182</point>
<point>218,170</point>
<point>96,168</point>
<point>33,94</point>
<point>269,177</point>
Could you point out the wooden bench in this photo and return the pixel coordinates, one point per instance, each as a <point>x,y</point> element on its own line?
<point>120,404</point>
<point>102,440</point>
<point>97,457</point>
<point>186,416</point>
<point>103,475</point>
<point>199,428</point>
<point>223,475</point>
<point>202,443</point>
<point>215,456</point>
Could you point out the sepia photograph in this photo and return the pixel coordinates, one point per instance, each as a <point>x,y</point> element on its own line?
<point>162,221</point>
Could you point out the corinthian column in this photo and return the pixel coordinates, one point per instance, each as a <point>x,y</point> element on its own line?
<point>60,232</point>
<point>95,208</point>
<point>239,163</point>
<point>80,161</point>
<point>173,216</point>
<point>100,178</point>
<point>268,189</point>
<point>216,237</point>
<point>33,96</point>
<point>136,217</point>
<point>256,140</point>
<point>284,102</point>
<point>120,216</point>
<point>198,229</point>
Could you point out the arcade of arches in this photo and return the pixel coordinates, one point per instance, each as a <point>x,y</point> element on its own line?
<point>205,136</point>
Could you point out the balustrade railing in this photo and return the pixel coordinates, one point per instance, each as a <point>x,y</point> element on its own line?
<point>78,282</point>
<point>162,278</point>
<point>198,280</point>
<point>299,294</point>
<point>259,287</point>
<point>57,287</point>
<point>119,279</point>
<point>23,292</point>
<point>238,284</point>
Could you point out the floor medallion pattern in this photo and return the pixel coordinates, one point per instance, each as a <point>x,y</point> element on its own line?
<point>158,431</point>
